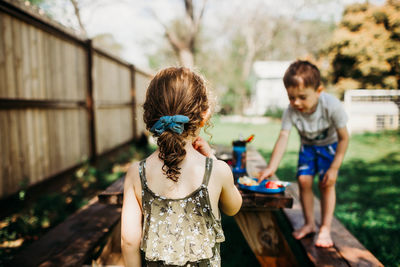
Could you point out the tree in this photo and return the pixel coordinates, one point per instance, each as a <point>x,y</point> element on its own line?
<point>260,35</point>
<point>364,51</point>
<point>69,12</point>
<point>182,33</point>
<point>107,42</point>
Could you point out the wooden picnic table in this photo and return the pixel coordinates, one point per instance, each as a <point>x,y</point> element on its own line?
<point>251,200</point>
<point>255,218</point>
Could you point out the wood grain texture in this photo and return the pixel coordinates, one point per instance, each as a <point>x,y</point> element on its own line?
<point>71,242</point>
<point>347,251</point>
<point>26,64</point>
<point>17,56</point>
<point>40,65</point>
<point>264,238</point>
<point>3,84</point>
<point>114,193</point>
<point>9,57</point>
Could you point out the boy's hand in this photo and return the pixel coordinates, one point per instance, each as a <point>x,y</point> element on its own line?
<point>266,173</point>
<point>203,147</point>
<point>329,177</point>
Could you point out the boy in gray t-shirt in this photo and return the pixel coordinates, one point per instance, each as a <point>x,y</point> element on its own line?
<point>321,123</point>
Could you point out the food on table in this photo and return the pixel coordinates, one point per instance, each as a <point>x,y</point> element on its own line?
<point>272,185</point>
<point>245,180</point>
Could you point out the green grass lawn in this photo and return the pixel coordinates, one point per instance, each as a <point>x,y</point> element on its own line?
<point>368,187</point>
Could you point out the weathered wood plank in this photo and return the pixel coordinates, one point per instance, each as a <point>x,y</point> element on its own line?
<point>262,233</point>
<point>26,67</point>
<point>44,143</point>
<point>114,193</point>
<point>16,35</point>
<point>347,251</point>
<point>9,58</point>
<point>3,84</point>
<point>24,144</point>
<point>36,146</point>
<point>111,254</point>
<point>4,153</point>
<point>33,58</point>
<point>31,147</point>
<point>52,141</point>
<point>16,172</point>
<point>41,55</point>
<point>73,241</point>
<point>80,70</point>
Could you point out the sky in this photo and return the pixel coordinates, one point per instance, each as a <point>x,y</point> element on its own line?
<point>133,26</point>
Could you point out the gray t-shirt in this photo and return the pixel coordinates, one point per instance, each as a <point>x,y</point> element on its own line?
<point>318,128</point>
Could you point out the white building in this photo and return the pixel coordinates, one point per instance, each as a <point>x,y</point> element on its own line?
<point>268,91</point>
<point>372,110</point>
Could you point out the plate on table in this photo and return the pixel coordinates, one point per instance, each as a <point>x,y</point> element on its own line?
<point>266,186</point>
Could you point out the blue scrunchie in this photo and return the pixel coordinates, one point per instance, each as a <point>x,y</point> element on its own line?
<point>174,123</point>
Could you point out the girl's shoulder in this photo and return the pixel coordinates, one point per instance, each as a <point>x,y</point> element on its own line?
<point>222,170</point>
<point>221,165</point>
<point>132,177</point>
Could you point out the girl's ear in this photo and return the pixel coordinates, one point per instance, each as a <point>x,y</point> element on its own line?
<point>206,116</point>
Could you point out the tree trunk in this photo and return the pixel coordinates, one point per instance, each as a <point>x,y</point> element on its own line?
<point>186,58</point>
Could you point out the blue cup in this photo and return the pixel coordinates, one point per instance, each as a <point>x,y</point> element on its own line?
<point>239,157</point>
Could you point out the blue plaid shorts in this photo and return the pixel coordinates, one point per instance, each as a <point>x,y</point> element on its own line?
<point>315,159</point>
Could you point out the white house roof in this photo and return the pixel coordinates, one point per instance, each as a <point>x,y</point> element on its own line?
<point>270,69</point>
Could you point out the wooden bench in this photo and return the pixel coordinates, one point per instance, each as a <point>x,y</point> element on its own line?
<point>347,251</point>
<point>74,241</point>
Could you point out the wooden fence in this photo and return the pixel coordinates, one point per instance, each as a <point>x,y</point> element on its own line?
<point>62,101</point>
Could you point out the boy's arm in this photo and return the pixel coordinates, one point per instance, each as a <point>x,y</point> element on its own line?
<point>277,154</point>
<point>331,175</point>
<point>131,220</point>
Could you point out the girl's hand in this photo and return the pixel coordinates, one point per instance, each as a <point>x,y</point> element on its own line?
<point>203,147</point>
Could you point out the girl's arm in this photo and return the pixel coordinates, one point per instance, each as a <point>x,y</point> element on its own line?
<point>131,220</point>
<point>230,199</point>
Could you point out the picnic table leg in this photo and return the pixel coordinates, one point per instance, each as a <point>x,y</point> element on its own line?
<point>261,232</point>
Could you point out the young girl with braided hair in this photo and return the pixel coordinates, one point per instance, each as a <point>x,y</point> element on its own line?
<point>172,198</point>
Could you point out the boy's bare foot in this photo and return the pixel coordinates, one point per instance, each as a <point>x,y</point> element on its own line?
<point>324,239</point>
<point>304,231</point>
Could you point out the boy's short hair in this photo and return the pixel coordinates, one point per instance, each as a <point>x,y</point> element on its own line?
<point>302,73</point>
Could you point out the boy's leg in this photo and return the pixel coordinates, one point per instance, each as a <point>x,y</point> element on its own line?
<point>307,203</point>
<point>305,175</point>
<point>328,196</point>
<point>328,200</point>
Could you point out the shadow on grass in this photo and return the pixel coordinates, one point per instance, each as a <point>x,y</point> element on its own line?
<point>368,204</point>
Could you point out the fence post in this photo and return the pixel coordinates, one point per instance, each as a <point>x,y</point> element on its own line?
<point>90,101</point>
